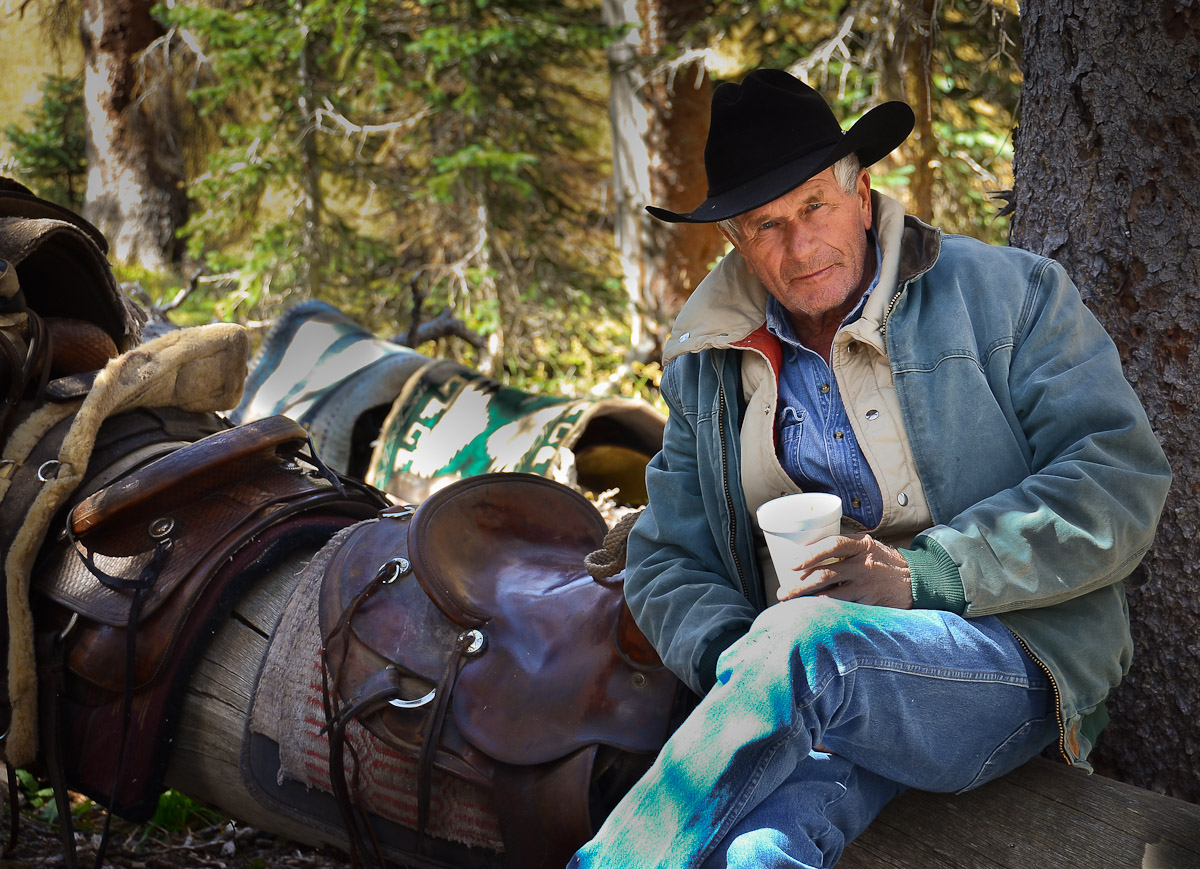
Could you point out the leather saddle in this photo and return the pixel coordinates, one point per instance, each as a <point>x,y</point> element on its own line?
<point>146,565</point>
<point>468,634</point>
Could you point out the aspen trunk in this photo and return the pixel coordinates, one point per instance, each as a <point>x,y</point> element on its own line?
<point>135,189</point>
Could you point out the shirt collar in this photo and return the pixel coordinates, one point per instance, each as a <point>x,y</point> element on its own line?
<point>779,323</point>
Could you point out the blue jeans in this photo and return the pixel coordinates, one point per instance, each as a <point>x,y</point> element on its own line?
<point>822,713</point>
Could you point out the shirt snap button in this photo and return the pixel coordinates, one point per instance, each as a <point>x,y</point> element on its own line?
<point>872,415</point>
<point>902,499</point>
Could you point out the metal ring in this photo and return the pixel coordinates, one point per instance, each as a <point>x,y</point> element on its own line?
<point>397,566</point>
<point>45,467</point>
<point>401,513</point>
<point>414,704</point>
<point>7,467</point>
<point>66,632</point>
<point>478,641</point>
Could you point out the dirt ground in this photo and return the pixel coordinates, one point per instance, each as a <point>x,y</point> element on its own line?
<point>220,845</point>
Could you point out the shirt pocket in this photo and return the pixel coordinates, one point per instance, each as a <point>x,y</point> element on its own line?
<point>791,423</point>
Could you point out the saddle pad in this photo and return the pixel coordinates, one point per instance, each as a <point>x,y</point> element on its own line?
<point>451,422</point>
<point>324,370</point>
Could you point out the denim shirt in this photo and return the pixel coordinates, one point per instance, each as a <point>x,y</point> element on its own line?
<point>815,442</point>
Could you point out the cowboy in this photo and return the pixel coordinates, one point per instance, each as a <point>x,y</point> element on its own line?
<point>999,479</point>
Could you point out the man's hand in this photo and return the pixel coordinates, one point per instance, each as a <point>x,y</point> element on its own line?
<point>865,571</point>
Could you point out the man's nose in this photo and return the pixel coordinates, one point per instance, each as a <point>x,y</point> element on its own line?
<point>800,240</point>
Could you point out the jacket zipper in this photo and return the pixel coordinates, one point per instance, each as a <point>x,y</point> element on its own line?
<point>1058,714</point>
<point>737,562</point>
<point>891,307</point>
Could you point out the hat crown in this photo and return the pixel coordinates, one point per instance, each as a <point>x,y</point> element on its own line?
<point>768,120</point>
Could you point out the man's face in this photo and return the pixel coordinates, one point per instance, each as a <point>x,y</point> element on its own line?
<point>809,246</point>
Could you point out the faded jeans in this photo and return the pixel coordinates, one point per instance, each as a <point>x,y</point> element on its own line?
<point>821,714</point>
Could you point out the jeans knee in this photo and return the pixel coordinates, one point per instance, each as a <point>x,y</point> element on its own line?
<point>799,631</point>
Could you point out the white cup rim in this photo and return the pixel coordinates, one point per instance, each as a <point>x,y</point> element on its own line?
<point>774,516</point>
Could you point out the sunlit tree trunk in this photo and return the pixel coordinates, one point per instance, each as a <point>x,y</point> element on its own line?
<point>908,76</point>
<point>1106,184</point>
<point>135,189</point>
<point>311,204</point>
<point>659,123</point>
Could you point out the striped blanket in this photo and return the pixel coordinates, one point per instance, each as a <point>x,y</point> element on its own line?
<point>408,424</point>
<point>334,377</point>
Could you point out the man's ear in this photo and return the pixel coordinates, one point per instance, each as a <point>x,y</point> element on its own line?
<point>732,239</point>
<point>863,190</point>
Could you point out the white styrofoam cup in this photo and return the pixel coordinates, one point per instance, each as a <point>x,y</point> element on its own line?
<point>794,521</point>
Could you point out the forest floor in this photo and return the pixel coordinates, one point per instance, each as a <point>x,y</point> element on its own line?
<point>215,845</point>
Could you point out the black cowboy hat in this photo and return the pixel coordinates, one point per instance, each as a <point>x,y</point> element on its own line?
<point>771,133</point>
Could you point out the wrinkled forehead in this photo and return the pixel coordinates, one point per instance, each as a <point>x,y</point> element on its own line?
<point>819,187</point>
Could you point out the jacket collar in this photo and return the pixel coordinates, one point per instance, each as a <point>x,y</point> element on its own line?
<point>730,303</point>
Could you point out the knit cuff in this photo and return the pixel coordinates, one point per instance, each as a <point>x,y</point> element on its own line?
<point>936,583</point>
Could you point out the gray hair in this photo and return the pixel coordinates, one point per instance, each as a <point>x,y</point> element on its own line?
<point>845,173</point>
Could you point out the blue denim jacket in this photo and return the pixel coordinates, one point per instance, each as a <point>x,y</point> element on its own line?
<point>1043,476</point>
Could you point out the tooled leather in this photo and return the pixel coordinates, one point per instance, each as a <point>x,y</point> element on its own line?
<point>239,489</point>
<point>213,529</point>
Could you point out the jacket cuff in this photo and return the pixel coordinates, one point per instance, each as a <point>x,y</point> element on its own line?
<point>708,661</point>
<point>936,583</point>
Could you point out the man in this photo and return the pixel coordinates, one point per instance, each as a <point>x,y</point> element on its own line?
<point>998,475</point>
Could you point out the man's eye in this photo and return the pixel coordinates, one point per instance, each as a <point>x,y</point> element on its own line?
<point>813,206</point>
<point>767,224</point>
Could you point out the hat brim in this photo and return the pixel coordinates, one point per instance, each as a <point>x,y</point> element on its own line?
<point>875,135</point>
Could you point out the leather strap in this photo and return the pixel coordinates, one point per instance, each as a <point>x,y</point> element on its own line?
<point>380,687</point>
<point>51,655</point>
<point>14,814</point>
<point>543,810</point>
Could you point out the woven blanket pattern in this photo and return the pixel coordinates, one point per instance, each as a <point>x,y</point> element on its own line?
<point>452,422</point>
<point>322,369</point>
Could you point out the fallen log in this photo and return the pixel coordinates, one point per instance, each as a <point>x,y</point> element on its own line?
<point>1043,814</point>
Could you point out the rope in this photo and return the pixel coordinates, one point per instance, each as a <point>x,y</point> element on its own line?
<point>610,559</point>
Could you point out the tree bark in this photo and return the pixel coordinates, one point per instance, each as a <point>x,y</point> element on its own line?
<point>1106,183</point>
<point>910,28</point>
<point>135,191</point>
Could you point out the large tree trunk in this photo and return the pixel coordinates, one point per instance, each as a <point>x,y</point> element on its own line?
<point>1106,183</point>
<point>135,189</point>
<point>658,126</point>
